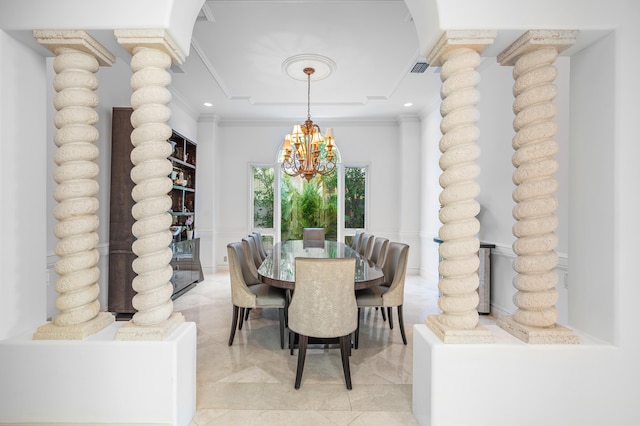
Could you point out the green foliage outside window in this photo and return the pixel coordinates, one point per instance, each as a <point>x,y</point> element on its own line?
<point>354,193</point>
<point>263,197</point>
<point>311,204</point>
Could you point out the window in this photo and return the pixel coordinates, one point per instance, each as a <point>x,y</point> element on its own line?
<point>337,203</point>
<point>355,190</point>
<point>263,197</point>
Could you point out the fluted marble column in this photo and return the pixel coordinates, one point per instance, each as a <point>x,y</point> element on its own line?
<point>152,54</point>
<point>533,56</point>
<point>78,58</point>
<point>458,53</point>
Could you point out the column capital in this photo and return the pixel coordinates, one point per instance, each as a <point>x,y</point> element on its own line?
<point>537,39</point>
<point>152,38</point>
<point>54,40</point>
<point>477,40</point>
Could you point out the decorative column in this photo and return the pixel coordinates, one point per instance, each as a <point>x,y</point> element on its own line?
<point>152,54</point>
<point>458,53</point>
<point>533,56</point>
<point>78,58</point>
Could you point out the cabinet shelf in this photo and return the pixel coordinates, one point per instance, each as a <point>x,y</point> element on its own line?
<point>175,160</point>
<point>183,192</point>
<point>183,188</point>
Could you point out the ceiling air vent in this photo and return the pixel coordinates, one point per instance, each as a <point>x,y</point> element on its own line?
<point>420,67</point>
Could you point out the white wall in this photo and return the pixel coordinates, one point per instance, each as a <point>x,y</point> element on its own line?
<point>430,188</point>
<point>207,184</point>
<point>595,190</point>
<point>410,195</point>
<point>22,119</point>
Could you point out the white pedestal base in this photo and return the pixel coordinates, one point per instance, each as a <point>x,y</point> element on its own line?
<point>479,334</point>
<point>50,331</point>
<point>99,379</point>
<point>511,383</point>
<point>534,335</point>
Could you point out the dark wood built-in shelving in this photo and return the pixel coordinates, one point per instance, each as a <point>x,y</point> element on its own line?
<point>187,270</point>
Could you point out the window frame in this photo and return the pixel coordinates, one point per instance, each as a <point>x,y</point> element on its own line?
<point>342,199</point>
<point>274,231</point>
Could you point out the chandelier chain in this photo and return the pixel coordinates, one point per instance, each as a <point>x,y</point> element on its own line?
<point>309,71</point>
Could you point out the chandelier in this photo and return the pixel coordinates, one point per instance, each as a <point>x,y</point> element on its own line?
<point>305,151</point>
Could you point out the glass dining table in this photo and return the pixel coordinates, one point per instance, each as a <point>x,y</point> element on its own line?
<point>278,269</point>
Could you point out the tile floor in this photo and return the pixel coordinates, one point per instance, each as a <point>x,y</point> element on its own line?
<point>251,382</point>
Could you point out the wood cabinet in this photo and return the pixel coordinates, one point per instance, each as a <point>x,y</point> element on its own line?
<point>187,270</point>
<point>186,253</point>
<point>183,193</point>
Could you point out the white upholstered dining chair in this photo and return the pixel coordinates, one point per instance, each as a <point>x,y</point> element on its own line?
<point>257,295</point>
<point>260,244</point>
<point>255,254</point>
<point>379,251</point>
<point>313,237</point>
<point>324,306</point>
<point>391,292</point>
<point>365,245</point>
<point>356,239</point>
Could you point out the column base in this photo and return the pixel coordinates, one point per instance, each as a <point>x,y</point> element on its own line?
<point>555,334</point>
<point>50,331</point>
<point>451,335</point>
<point>132,331</point>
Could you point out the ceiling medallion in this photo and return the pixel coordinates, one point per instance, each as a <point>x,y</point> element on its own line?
<point>294,66</point>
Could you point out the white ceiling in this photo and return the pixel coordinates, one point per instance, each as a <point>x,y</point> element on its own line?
<point>239,47</point>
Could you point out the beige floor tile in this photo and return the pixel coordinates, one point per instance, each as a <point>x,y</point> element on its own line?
<point>251,382</point>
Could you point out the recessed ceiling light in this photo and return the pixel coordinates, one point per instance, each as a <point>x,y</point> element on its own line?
<point>408,104</point>
<point>208,104</point>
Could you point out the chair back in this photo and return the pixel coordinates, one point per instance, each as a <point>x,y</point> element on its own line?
<point>258,237</point>
<point>356,239</point>
<point>379,251</point>
<point>366,245</point>
<point>241,296</point>
<point>253,253</point>
<point>324,301</point>
<point>250,262</point>
<point>313,237</point>
<point>395,272</point>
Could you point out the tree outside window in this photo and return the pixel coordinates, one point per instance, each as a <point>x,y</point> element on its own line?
<point>354,196</point>
<point>309,204</point>
<point>263,201</point>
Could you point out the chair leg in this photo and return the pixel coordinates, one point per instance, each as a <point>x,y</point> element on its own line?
<point>246,314</point>
<point>292,341</point>
<point>357,332</point>
<point>384,315</point>
<point>345,343</point>
<point>241,318</point>
<point>390,315</point>
<point>234,323</point>
<point>281,317</point>
<point>302,353</point>
<point>287,300</point>
<point>401,321</point>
